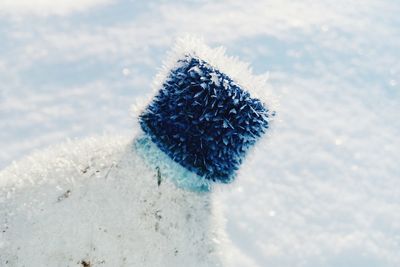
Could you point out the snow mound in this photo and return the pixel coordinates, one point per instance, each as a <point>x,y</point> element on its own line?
<point>97,201</point>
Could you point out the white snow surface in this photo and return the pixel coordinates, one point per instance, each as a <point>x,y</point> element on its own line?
<point>98,202</point>
<point>46,7</point>
<point>322,190</point>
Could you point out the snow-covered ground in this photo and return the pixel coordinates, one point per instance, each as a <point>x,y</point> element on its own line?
<point>322,190</point>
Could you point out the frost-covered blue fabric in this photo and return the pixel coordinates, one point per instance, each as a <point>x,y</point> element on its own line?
<point>176,173</point>
<point>203,120</point>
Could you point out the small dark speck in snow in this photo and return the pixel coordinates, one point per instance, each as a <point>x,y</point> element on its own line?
<point>64,196</point>
<point>159,178</point>
<point>85,169</point>
<point>86,263</point>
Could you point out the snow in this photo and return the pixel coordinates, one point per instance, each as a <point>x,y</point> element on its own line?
<point>97,201</point>
<point>328,171</point>
<point>47,7</point>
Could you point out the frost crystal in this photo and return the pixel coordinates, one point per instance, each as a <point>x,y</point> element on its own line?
<point>203,120</point>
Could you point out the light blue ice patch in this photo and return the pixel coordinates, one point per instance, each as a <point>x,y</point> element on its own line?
<point>179,175</point>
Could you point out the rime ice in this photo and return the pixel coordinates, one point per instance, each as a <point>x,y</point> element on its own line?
<point>146,200</point>
<point>201,124</point>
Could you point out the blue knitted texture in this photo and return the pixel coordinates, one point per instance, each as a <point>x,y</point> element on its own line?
<point>203,120</point>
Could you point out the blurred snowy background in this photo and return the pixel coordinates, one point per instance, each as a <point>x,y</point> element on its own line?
<point>324,190</point>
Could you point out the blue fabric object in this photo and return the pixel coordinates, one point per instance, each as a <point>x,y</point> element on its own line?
<point>203,120</point>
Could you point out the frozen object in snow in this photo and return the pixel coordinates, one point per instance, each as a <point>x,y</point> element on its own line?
<point>115,201</point>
